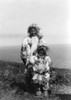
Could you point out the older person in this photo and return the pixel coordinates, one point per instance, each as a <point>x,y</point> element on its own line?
<point>30,43</point>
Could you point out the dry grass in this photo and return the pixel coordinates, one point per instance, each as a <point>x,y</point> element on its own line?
<point>13,85</point>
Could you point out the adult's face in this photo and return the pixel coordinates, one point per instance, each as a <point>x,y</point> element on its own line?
<point>33,32</point>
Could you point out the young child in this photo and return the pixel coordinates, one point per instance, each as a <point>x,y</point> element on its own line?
<point>41,68</point>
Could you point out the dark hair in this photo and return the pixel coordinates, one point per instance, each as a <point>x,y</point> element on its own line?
<point>35,27</point>
<point>42,50</point>
<point>30,28</point>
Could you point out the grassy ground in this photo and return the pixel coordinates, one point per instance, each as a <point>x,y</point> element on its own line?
<point>12,83</point>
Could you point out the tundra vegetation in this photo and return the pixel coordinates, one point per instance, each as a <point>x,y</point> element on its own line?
<point>13,85</point>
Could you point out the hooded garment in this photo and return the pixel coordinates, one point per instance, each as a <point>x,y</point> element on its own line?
<point>29,46</point>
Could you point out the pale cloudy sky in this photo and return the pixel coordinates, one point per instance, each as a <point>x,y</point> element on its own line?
<point>52,16</point>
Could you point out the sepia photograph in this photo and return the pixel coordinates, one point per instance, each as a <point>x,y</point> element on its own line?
<point>35,50</point>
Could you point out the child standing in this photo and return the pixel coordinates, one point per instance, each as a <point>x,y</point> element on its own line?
<point>41,68</point>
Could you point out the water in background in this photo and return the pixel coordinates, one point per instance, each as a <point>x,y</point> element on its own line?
<point>60,55</point>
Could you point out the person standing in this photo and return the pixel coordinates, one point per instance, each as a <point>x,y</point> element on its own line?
<point>42,68</point>
<point>30,43</point>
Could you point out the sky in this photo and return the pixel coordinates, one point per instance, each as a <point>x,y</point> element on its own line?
<point>52,16</point>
